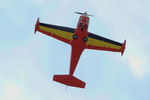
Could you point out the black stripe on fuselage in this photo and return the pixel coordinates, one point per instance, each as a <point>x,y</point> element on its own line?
<point>58,27</point>
<point>104,39</point>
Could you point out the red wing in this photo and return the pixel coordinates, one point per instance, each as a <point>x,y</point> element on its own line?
<point>100,43</point>
<point>61,33</point>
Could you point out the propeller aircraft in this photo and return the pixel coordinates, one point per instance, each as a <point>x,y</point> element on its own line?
<point>79,39</point>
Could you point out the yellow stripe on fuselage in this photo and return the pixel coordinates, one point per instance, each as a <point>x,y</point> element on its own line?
<point>99,43</point>
<point>60,33</point>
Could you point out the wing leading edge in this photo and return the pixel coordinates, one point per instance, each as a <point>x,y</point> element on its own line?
<point>100,43</point>
<point>59,32</point>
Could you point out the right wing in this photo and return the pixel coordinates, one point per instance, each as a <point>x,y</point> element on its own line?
<point>59,32</point>
<point>100,43</point>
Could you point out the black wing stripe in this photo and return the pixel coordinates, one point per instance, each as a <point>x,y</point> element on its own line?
<point>104,39</point>
<point>58,27</point>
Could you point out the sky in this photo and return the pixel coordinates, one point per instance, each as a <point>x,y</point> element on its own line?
<point>28,61</point>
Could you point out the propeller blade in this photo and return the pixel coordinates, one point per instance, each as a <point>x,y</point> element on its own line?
<point>84,14</point>
<point>90,15</point>
<point>79,13</point>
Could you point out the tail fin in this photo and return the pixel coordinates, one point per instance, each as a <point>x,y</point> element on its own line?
<point>69,80</point>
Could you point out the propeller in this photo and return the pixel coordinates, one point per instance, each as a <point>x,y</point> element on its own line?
<point>84,14</point>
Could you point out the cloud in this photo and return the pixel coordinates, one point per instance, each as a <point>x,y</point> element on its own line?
<point>136,66</point>
<point>23,78</point>
<point>41,1</point>
<point>12,92</point>
<point>124,19</point>
<point>23,72</point>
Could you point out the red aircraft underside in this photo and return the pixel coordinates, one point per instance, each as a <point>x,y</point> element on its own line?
<point>79,39</point>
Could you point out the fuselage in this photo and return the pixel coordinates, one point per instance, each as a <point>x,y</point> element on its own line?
<point>79,42</point>
<point>81,31</point>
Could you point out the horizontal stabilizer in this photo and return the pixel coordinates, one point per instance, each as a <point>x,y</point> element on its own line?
<point>69,81</point>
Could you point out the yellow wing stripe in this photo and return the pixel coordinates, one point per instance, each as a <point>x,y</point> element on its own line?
<point>63,34</point>
<point>99,43</point>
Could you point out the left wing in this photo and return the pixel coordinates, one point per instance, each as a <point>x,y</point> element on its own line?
<point>58,32</point>
<point>100,43</point>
